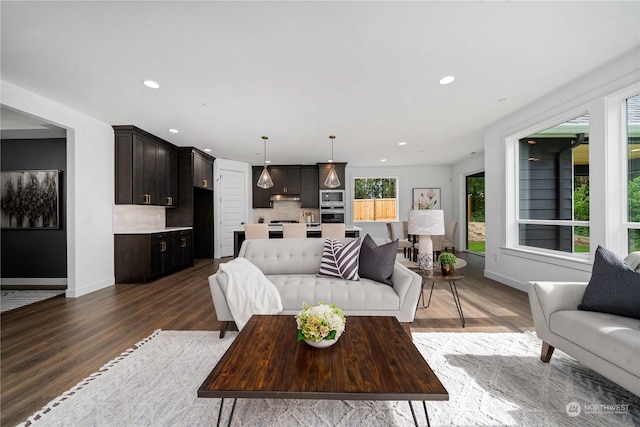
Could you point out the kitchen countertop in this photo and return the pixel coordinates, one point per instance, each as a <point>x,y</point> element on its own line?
<point>153,230</point>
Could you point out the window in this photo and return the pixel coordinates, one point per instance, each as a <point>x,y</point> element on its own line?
<point>375,199</point>
<point>633,172</point>
<point>554,187</point>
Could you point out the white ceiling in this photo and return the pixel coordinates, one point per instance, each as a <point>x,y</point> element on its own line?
<point>367,72</point>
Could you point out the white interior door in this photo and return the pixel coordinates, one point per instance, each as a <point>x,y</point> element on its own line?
<point>231,204</point>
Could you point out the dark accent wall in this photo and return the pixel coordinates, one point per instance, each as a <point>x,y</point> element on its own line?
<point>36,253</point>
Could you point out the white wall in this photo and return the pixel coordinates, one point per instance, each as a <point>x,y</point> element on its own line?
<point>409,177</point>
<point>513,266</point>
<point>90,188</point>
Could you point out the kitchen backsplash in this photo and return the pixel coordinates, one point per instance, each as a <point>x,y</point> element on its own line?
<point>137,218</point>
<point>285,209</point>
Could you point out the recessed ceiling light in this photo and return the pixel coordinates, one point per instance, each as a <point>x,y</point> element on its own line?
<point>207,150</point>
<point>151,84</point>
<point>383,160</point>
<point>172,130</point>
<point>402,143</point>
<point>446,80</point>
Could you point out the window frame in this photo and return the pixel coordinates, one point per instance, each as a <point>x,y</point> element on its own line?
<point>353,199</point>
<point>512,187</point>
<point>627,225</point>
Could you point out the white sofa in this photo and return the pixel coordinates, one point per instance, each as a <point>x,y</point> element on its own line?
<point>606,343</point>
<point>291,265</point>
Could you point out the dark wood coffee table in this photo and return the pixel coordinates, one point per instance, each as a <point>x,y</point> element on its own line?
<point>374,359</point>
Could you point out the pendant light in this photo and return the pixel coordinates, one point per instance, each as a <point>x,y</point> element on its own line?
<point>332,180</point>
<point>265,180</point>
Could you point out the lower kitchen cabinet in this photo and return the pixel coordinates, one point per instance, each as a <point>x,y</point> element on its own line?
<point>142,257</point>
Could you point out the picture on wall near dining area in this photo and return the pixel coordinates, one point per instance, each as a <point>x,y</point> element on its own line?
<point>30,199</point>
<point>426,198</point>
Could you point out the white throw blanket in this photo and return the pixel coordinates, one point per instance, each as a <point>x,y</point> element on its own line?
<point>249,291</point>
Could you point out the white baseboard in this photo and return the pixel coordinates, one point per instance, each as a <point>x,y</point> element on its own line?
<point>75,293</point>
<point>507,281</point>
<point>38,281</point>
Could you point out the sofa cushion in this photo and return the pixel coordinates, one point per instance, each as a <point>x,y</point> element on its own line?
<point>351,296</point>
<point>614,287</point>
<point>377,262</point>
<point>340,259</point>
<point>613,338</point>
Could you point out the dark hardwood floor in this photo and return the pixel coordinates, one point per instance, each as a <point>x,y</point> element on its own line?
<point>48,347</point>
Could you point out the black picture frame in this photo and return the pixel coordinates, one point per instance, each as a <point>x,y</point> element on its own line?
<point>30,199</point>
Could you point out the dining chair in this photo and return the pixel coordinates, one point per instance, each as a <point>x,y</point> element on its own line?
<point>449,238</point>
<point>294,230</point>
<point>256,231</point>
<point>332,230</point>
<point>403,244</point>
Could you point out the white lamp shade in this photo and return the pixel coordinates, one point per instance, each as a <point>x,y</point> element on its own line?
<point>428,222</point>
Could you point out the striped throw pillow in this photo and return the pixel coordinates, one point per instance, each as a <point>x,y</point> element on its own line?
<point>340,259</point>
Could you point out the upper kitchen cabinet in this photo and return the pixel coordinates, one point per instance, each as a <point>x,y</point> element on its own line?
<point>323,171</point>
<point>286,179</point>
<point>146,169</point>
<point>260,195</point>
<point>309,195</point>
<point>202,171</point>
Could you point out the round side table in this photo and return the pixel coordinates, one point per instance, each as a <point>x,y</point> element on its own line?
<point>436,276</point>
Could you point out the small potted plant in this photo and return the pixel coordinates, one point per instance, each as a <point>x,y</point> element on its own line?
<point>260,219</point>
<point>320,325</point>
<point>447,261</point>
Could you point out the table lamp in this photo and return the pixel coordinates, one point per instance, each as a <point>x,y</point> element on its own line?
<point>426,223</point>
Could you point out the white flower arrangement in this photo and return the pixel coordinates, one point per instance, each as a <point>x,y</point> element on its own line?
<point>320,322</point>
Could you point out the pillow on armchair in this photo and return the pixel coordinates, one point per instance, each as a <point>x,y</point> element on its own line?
<point>614,287</point>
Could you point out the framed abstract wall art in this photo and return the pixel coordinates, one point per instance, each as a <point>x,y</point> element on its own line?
<point>426,198</point>
<point>30,199</point>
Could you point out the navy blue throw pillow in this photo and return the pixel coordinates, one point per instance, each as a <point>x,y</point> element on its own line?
<point>614,287</point>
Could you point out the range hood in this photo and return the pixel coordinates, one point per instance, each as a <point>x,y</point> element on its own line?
<point>280,197</point>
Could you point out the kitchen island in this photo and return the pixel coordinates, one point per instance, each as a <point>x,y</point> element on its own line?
<point>275,232</point>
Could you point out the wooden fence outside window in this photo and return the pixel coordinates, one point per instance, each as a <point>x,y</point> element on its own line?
<point>375,210</point>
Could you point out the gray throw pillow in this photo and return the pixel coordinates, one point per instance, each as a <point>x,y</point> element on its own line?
<point>376,262</point>
<point>614,287</point>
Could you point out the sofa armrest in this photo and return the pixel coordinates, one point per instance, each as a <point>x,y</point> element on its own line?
<point>218,286</point>
<point>546,298</point>
<point>408,285</point>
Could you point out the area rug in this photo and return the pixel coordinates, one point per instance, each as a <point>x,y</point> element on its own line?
<point>492,379</point>
<point>12,299</point>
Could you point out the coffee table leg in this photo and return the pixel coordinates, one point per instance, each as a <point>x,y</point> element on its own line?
<point>413,414</point>
<point>426,414</point>
<point>233,407</point>
<point>456,299</point>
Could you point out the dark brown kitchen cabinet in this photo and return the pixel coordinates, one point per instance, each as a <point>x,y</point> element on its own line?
<point>286,179</point>
<point>323,171</point>
<point>182,249</point>
<point>309,190</point>
<point>167,176</point>
<point>146,171</point>
<point>196,202</point>
<point>202,172</point>
<point>143,257</point>
<point>260,195</point>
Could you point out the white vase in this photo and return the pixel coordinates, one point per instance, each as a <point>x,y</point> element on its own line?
<point>322,343</point>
